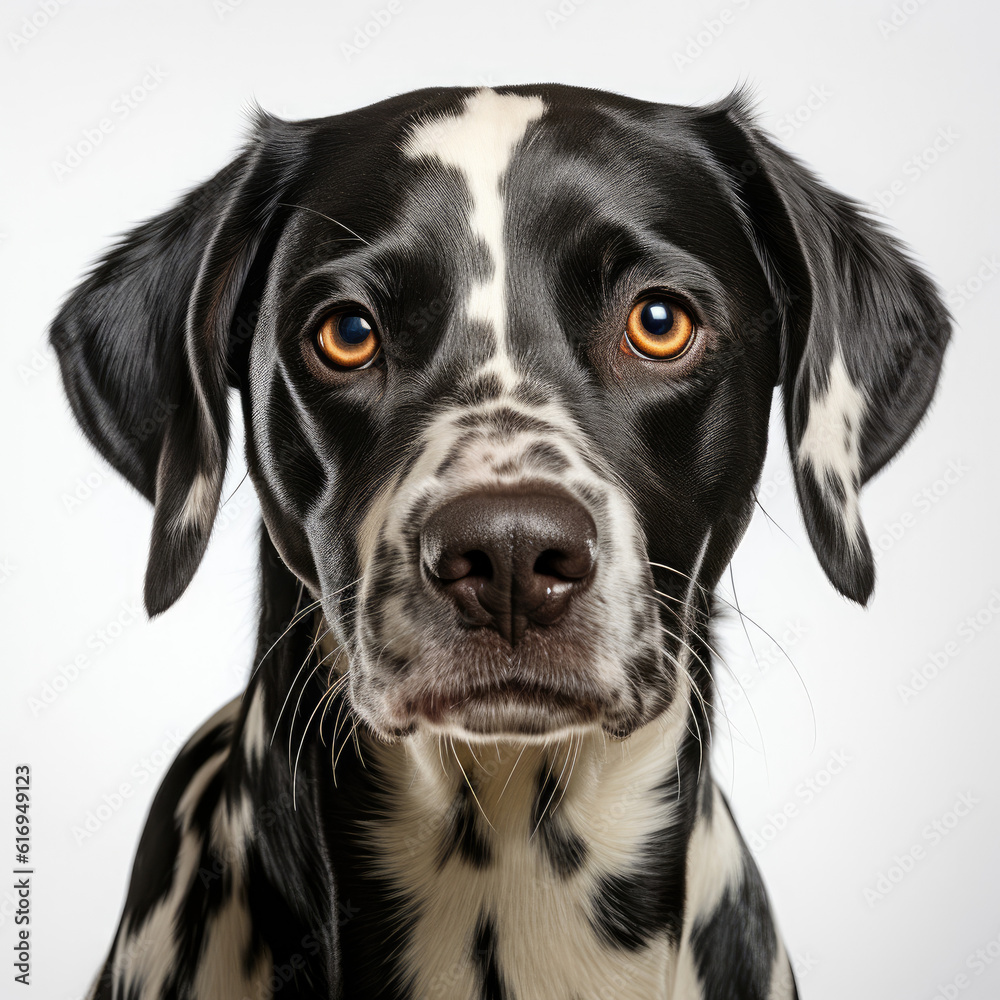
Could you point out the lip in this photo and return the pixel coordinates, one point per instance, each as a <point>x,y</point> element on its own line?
<point>506,708</point>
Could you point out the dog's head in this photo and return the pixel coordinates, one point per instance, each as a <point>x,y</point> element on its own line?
<point>506,360</point>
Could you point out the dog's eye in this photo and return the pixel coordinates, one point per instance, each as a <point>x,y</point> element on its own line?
<point>658,330</point>
<point>348,339</point>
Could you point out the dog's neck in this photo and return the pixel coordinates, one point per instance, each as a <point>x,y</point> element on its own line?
<point>511,792</point>
<point>495,841</point>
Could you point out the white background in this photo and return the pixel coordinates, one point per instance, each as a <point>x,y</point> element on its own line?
<point>71,561</point>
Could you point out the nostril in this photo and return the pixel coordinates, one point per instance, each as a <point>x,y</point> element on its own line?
<point>459,567</point>
<point>564,565</point>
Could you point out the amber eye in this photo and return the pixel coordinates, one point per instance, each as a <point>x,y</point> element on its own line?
<point>348,340</point>
<point>658,329</point>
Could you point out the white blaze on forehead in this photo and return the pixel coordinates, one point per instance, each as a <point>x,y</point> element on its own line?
<point>831,442</point>
<point>480,143</point>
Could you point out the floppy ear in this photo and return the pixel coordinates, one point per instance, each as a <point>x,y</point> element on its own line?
<point>142,344</point>
<point>863,332</point>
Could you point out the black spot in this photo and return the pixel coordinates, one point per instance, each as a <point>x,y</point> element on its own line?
<point>546,456</point>
<point>565,851</point>
<point>734,948</point>
<point>455,452</point>
<point>383,581</point>
<point>463,834</point>
<point>532,393</point>
<point>707,799</point>
<point>480,260</point>
<point>485,957</point>
<point>506,420</point>
<point>632,907</point>
<point>482,388</point>
<point>510,467</point>
<point>640,668</point>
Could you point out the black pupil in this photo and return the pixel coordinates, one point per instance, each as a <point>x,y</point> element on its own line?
<point>657,318</point>
<point>353,329</point>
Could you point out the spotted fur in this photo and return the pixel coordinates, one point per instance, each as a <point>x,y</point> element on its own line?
<point>404,804</point>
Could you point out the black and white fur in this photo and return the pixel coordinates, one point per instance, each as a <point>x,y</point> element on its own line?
<point>401,806</point>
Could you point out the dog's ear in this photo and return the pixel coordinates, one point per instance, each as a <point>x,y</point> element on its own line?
<point>863,331</point>
<point>142,344</point>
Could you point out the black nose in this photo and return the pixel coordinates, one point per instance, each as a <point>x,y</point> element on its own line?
<point>510,559</point>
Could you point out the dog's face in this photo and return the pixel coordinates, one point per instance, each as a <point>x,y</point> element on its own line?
<point>506,360</point>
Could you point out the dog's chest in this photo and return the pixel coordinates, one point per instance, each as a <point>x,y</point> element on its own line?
<point>508,881</point>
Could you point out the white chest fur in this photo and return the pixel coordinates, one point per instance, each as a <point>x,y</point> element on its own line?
<point>542,939</point>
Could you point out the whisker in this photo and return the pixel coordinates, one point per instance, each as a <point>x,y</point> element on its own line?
<point>578,738</point>
<point>298,701</point>
<point>336,733</point>
<point>335,688</point>
<point>451,743</point>
<point>468,744</point>
<point>701,744</point>
<point>724,662</point>
<point>440,741</point>
<point>744,616</point>
<point>305,733</point>
<point>720,707</point>
<point>305,208</point>
<point>357,742</point>
<point>552,794</point>
<point>297,616</point>
<point>756,500</point>
<point>524,746</point>
<point>291,687</point>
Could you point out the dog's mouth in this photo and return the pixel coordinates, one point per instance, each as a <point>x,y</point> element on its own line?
<point>506,709</point>
<point>477,697</point>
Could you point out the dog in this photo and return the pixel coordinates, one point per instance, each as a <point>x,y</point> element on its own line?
<point>506,359</point>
